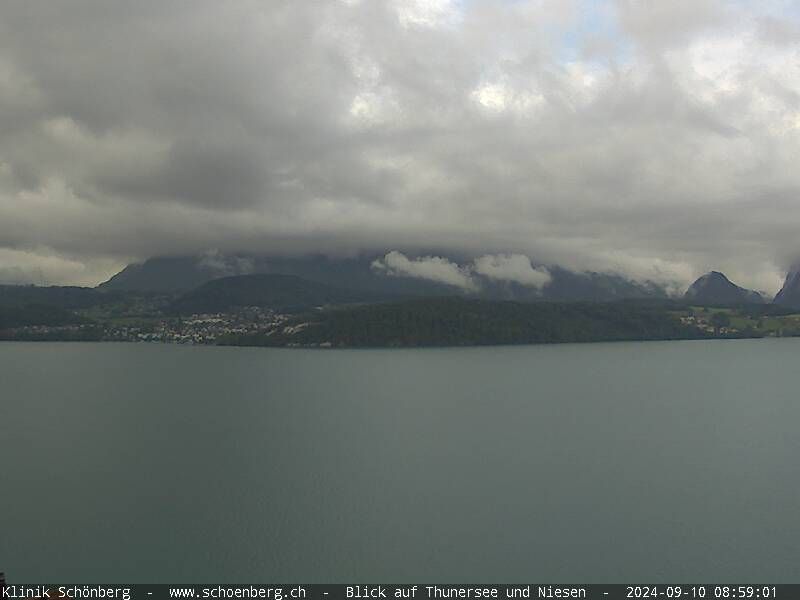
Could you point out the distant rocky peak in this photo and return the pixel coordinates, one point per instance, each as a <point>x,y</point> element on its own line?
<point>715,288</point>
<point>790,292</point>
<point>716,276</point>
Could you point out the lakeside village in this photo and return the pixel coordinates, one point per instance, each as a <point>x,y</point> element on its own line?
<point>193,329</point>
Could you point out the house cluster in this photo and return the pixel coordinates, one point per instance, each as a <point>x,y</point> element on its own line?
<point>705,324</point>
<point>201,328</point>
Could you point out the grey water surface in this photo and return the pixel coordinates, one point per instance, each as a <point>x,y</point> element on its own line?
<point>653,462</point>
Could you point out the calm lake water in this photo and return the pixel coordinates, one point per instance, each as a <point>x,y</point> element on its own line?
<point>657,462</point>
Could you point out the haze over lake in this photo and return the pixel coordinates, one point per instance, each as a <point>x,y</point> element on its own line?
<point>659,461</point>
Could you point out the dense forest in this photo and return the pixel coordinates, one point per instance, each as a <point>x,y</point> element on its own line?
<point>461,322</point>
<point>36,314</point>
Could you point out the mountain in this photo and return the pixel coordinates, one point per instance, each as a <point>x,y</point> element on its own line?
<point>279,292</point>
<point>596,287</point>
<point>170,274</point>
<point>165,274</point>
<point>714,288</point>
<point>183,273</point>
<point>790,292</point>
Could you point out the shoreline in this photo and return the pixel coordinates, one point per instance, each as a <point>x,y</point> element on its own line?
<point>323,347</point>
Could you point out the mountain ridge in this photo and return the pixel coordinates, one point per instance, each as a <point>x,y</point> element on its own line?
<point>264,290</point>
<point>183,273</point>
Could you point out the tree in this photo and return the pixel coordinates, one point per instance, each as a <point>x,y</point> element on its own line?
<point>720,320</point>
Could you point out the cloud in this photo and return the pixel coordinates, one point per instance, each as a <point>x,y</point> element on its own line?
<point>657,24</point>
<point>428,13</point>
<point>499,267</point>
<point>431,268</point>
<point>512,267</point>
<point>225,265</point>
<point>41,267</point>
<point>649,138</point>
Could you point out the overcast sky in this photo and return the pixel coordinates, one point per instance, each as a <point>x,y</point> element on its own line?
<point>654,138</point>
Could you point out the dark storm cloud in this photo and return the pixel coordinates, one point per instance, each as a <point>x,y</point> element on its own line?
<point>660,146</point>
<point>198,172</point>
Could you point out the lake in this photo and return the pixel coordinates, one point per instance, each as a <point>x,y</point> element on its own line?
<point>651,462</point>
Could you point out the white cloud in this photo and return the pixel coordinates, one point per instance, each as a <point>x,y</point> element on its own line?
<point>512,267</point>
<point>39,266</point>
<point>491,97</point>
<point>431,268</point>
<point>429,13</point>
<point>498,98</point>
<point>497,267</point>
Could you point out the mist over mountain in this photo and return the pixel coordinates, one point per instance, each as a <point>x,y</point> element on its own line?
<point>170,274</point>
<point>715,288</point>
<point>502,276</point>
<point>277,292</point>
